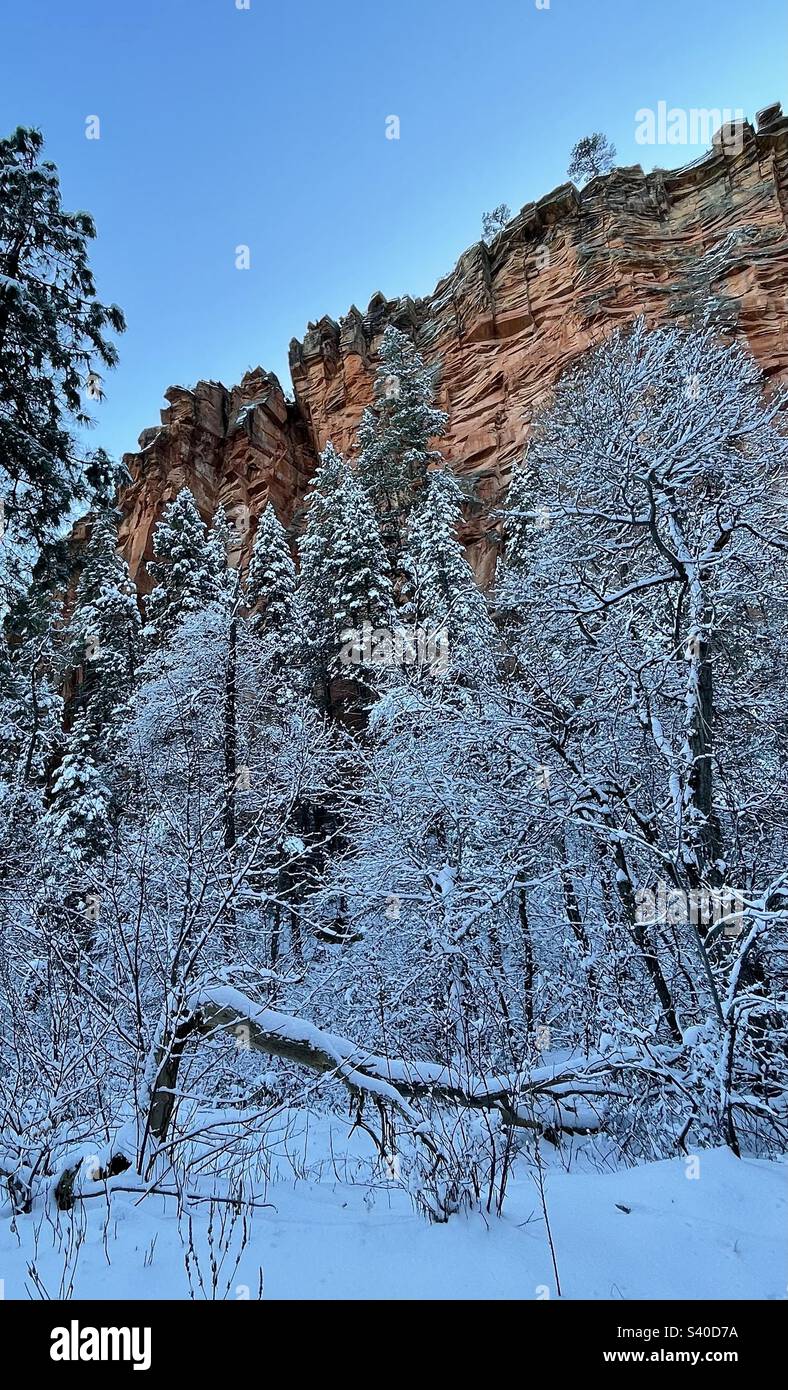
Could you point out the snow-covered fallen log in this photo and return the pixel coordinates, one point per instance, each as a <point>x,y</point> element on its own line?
<point>546,1097</point>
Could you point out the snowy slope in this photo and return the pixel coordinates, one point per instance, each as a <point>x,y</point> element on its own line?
<point>718,1235</point>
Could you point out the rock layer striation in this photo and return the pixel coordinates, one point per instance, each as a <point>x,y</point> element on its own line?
<point>502,327</point>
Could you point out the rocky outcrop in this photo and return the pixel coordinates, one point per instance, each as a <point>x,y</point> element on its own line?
<point>503,326</point>
<point>235,448</point>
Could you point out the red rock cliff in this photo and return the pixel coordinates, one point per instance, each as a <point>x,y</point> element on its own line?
<point>504,325</point>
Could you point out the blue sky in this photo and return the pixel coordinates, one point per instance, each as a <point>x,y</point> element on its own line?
<point>266,127</point>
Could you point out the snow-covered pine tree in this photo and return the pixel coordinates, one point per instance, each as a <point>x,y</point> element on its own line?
<point>519,520</point>
<point>361,587</point>
<point>102,643</point>
<point>186,569</point>
<point>103,637</point>
<point>314,551</point>
<point>223,539</point>
<point>344,581</point>
<point>447,603</point>
<point>52,334</point>
<point>79,813</point>
<point>31,710</point>
<point>394,437</point>
<point>31,707</point>
<point>271,581</point>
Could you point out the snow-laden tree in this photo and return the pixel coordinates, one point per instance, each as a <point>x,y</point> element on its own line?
<point>395,436</point>
<point>271,585</point>
<point>521,519</point>
<point>31,705</point>
<point>78,815</point>
<point>53,337</point>
<point>426,879</point>
<point>540,893</point>
<point>223,546</point>
<point>31,739</point>
<point>229,903</point>
<point>104,630</point>
<point>344,580</point>
<point>652,610</point>
<point>444,598</point>
<point>189,570</point>
<point>101,647</point>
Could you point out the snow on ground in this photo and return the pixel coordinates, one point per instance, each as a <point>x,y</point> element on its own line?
<point>718,1235</point>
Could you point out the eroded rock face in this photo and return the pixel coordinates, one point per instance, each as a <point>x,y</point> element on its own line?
<point>235,448</point>
<point>504,325</point>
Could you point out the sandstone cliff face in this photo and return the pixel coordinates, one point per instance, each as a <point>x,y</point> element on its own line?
<point>504,325</point>
<point>236,448</point>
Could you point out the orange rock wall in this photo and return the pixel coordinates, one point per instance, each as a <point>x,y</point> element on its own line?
<point>503,326</point>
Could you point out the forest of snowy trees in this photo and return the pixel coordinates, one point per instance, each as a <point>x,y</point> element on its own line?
<point>333,828</point>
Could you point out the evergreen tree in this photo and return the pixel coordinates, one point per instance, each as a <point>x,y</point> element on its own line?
<point>344,580</point>
<point>79,811</point>
<point>104,629</point>
<point>524,520</point>
<point>519,521</point>
<point>394,436</point>
<point>494,222</point>
<point>30,705</point>
<point>102,643</point>
<point>590,157</point>
<point>271,581</point>
<point>314,549</point>
<point>222,540</point>
<point>52,337</point>
<point>446,598</point>
<point>186,569</point>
